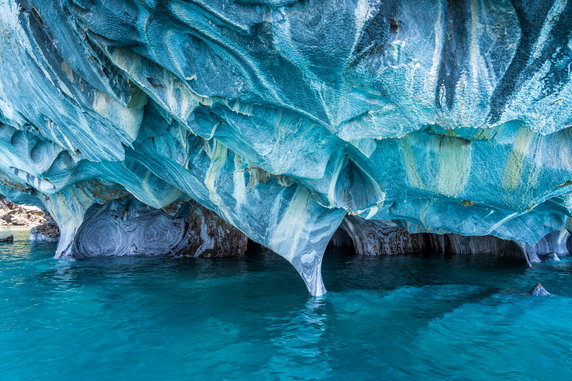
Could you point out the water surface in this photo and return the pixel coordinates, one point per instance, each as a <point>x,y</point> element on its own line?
<point>384,318</point>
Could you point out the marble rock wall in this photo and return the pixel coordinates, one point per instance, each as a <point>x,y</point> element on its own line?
<point>129,227</point>
<point>375,238</point>
<point>283,117</point>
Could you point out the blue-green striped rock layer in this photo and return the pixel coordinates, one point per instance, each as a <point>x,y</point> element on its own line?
<point>284,116</point>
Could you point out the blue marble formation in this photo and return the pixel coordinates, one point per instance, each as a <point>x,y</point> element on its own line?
<point>129,227</point>
<point>284,116</point>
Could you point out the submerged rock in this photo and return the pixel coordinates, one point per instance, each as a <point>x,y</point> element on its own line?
<point>283,117</point>
<point>6,238</point>
<point>538,290</point>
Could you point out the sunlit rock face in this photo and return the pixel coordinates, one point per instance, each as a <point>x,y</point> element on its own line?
<point>283,117</point>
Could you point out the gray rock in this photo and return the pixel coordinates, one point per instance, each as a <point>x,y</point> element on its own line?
<point>129,227</point>
<point>552,257</point>
<point>209,236</point>
<point>376,238</point>
<point>7,238</point>
<point>538,290</point>
<point>47,232</point>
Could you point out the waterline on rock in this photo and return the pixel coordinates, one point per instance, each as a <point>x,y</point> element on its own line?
<point>394,317</point>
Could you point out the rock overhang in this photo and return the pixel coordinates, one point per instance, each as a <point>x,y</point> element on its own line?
<point>283,117</point>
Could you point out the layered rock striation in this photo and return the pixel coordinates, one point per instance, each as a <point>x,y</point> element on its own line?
<point>284,117</point>
<point>378,238</point>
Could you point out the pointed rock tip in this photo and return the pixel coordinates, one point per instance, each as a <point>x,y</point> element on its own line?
<point>539,290</point>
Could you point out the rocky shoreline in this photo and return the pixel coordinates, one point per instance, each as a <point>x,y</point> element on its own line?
<point>42,227</point>
<point>20,215</point>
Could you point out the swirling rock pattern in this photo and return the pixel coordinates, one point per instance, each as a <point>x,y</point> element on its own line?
<point>374,238</point>
<point>129,227</point>
<point>284,116</point>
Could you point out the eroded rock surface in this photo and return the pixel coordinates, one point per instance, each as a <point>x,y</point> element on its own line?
<point>46,232</point>
<point>6,238</point>
<point>284,116</point>
<point>209,236</point>
<point>374,238</point>
<point>129,227</point>
<point>377,238</point>
<point>539,290</point>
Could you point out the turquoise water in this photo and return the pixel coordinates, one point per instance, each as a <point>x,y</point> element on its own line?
<point>384,318</point>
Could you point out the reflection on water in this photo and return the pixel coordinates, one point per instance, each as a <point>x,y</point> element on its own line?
<point>384,318</point>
